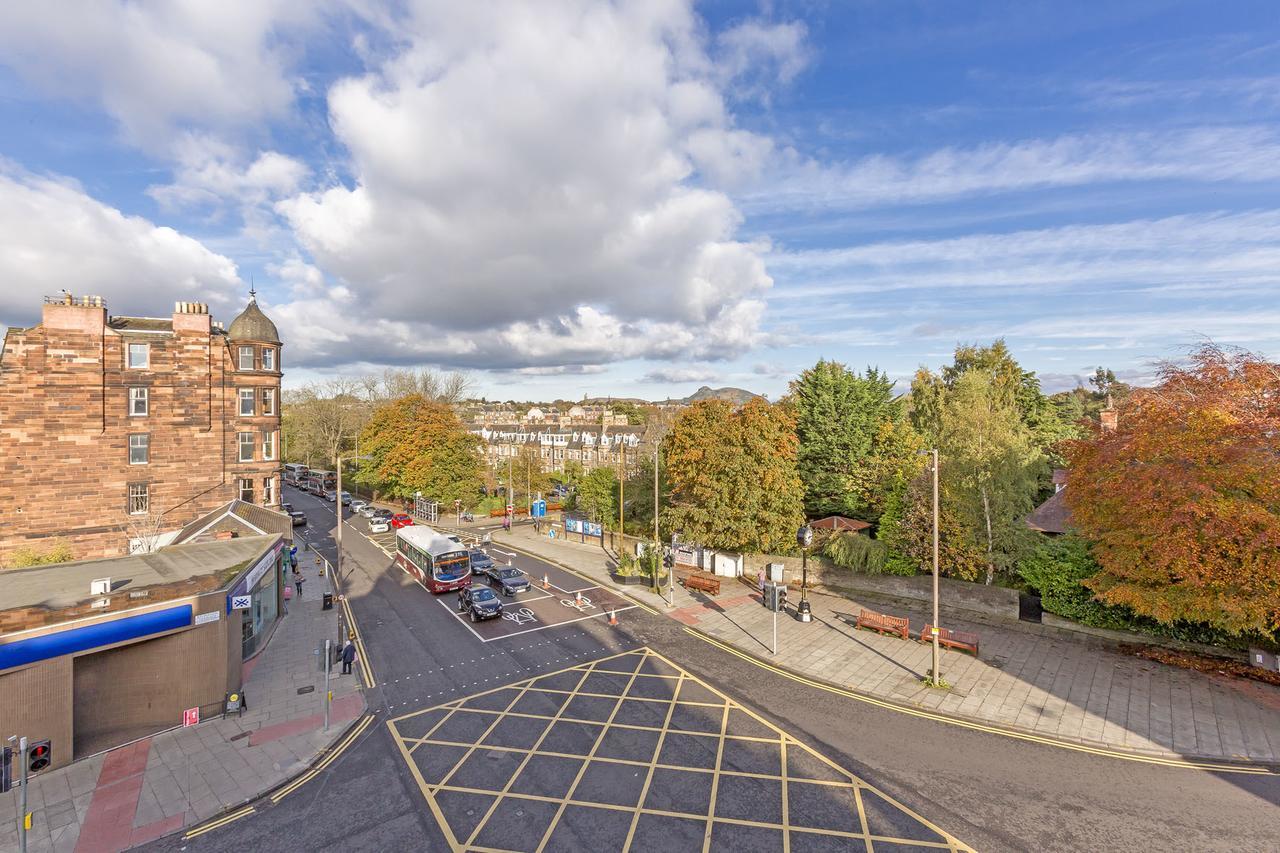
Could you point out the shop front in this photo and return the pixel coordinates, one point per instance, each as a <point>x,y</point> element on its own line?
<point>257,597</point>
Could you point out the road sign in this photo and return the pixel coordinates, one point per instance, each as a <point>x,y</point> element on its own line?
<point>511,508</point>
<point>241,602</point>
<point>190,717</point>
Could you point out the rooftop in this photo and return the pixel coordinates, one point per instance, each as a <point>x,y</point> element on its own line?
<point>67,584</point>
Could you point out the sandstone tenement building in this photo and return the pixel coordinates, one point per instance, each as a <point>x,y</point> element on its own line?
<point>116,430</point>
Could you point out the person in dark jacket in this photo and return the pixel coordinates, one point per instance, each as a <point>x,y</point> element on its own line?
<point>348,657</point>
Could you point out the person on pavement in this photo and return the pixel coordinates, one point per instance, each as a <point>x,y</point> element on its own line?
<point>348,656</point>
<point>297,581</point>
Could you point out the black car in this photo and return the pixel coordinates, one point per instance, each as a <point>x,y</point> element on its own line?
<point>479,602</point>
<point>286,508</point>
<point>480,561</point>
<point>299,518</point>
<point>508,580</point>
<point>382,512</point>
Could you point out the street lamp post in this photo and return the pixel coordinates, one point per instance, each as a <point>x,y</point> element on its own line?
<point>337,569</point>
<point>804,538</point>
<point>935,674</point>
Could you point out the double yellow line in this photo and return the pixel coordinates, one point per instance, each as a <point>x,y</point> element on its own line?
<point>979,727</point>
<point>366,667</point>
<point>328,759</point>
<point>289,788</point>
<point>222,821</point>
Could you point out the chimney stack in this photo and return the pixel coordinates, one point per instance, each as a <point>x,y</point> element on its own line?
<point>87,314</point>
<point>1109,416</point>
<point>191,317</point>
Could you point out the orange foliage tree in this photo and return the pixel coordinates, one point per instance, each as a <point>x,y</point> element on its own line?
<point>418,445</point>
<point>1182,500</point>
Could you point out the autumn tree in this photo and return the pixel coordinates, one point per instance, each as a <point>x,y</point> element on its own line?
<point>420,445</point>
<point>734,483</point>
<point>1182,501</point>
<point>990,468</point>
<point>907,529</point>
<point>527,474</point>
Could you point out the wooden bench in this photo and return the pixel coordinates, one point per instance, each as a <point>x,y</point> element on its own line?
<point>707,583</point>
<point>884,623</point>
<point>962,640</point>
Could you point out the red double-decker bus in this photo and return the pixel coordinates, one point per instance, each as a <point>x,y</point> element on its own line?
<point>437,562</point>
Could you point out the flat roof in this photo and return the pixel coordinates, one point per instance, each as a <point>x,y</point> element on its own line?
<point>67,584</point>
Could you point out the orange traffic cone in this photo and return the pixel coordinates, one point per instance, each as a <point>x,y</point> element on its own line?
<point>577,598</point>
<point>613,617</point>
<point>546,582</point>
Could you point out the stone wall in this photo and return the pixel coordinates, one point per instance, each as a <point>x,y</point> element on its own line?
<point>65,427</point>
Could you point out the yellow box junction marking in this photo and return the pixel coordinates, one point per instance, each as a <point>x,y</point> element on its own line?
<point>423,736</point>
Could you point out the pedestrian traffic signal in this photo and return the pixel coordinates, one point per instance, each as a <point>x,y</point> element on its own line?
<point>39,756</point>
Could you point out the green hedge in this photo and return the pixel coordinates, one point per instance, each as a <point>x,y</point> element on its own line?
<point>1056,568</point>
<point>860,553</point>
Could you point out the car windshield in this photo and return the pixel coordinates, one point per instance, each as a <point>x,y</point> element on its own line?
<point>481,594</point>
<point>510,573</point>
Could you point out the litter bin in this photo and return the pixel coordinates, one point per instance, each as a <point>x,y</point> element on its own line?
<point>328,601</point>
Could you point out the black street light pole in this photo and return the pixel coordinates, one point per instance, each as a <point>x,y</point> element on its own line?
<point>804,538</point>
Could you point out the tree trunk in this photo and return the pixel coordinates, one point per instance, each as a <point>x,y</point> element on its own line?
<point>986,511</point>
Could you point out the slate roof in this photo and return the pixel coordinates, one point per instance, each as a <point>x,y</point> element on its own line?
<point>242,519</point>
<point>140,324</point>
<point>253,325</point>
<point>839,522</point>
<point>1052,516</point>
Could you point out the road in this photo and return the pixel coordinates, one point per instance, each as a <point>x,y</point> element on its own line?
<point>577,770</point>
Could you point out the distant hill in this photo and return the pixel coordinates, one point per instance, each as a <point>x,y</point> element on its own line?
<point>737,396</point>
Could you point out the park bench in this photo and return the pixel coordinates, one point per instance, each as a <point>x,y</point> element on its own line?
<point>707,583</point>
<point>951,639</point>
<point>884,623</point>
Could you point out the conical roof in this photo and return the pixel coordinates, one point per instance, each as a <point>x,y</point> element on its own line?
<point>253,325</point>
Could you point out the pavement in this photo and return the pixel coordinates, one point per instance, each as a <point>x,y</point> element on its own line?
<point>1081,692</point>
<point>160,784</point>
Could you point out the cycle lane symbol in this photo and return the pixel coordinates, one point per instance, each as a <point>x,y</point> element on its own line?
<point>520,617</point>
<point>580,604</point>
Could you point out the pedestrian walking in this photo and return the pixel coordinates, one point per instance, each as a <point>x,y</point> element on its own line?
<point>297,582</point>
<point>348,656</point>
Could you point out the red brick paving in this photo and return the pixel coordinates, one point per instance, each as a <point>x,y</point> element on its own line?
<point>342,710</point>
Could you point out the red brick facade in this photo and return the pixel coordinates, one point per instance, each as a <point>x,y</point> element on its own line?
<point>67,413</point>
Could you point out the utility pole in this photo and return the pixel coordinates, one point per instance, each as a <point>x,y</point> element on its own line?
<point>622,478</point>
<point>337,569</point>
<point>657,556</point>
<point>511,495</point>
<point>937,653</point>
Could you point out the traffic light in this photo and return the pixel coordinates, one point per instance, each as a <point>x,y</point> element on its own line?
<point>775,597</point>
<point>39,755</point>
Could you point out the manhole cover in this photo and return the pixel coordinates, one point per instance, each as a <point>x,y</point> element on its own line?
<point>310,688</point>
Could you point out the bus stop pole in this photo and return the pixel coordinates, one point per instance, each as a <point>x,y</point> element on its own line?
<point>328,663</point>
<point>22,796</point>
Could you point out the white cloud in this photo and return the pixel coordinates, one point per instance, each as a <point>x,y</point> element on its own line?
<point>1243,154</point>
<point>159,64</point>
<point>1223,253</point>
<point>57,237</point>
<point>524,190</point>
<point>755,55</point>
<point>680,375</point>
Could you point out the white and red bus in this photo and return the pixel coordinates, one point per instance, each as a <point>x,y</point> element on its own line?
<point>295,474</point>
<point>437,562</point>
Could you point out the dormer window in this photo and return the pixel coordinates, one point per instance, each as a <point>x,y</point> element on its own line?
<point>246,358</point>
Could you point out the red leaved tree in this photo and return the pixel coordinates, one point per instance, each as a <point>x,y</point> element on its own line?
<point>1182,500</point>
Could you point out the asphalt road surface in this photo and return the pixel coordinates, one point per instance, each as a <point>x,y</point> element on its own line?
<point>575,734</point>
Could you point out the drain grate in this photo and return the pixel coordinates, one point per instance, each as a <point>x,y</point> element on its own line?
<point>310,688</point>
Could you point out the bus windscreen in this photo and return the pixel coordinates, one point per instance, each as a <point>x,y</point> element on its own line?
<point>450,567</point>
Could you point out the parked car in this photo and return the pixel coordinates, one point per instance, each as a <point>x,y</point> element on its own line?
<point>379,525</point>
<point>480,561</point>
<point>357,505</point>
<point>479,602</point>
<point>508,579</point>
<point>401,520</point>
<point>299,518</point>
<point>286,508</point>
<point>367,510</point>
<point>346,498</point>
<point>330,495</point>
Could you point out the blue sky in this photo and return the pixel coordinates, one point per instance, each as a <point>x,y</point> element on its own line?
<point>640,198</point>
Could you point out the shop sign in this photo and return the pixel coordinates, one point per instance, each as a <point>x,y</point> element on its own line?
<point>241,602</point>
<point>206,618</point>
